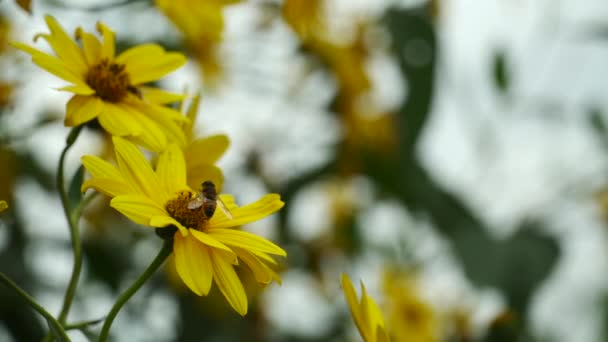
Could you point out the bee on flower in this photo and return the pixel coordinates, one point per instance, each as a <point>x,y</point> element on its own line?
<point>206,244</point>
<point>110,87</point>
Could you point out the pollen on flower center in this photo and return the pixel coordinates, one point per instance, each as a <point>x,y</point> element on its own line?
<point>109,80</point>
<point>190,218</point>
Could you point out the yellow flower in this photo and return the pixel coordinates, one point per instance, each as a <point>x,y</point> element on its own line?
<point>202,23</point>
<point>410,318</point>
<point>366,313</point>
<point>3,206</point>
<point>205,249</point>
<point>108,87</point>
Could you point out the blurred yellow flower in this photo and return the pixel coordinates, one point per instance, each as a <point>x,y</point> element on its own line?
<point>205,248</point>
<point>202,24</point>
<point>108,87</point>
<point>3,206</point>
<point>409,317</point>
<point>202,153</point>
<point>366,313</point>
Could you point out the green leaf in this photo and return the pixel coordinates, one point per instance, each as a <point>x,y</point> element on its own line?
<point>74,194</point>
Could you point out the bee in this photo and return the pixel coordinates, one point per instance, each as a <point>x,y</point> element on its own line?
<point>208,199</point>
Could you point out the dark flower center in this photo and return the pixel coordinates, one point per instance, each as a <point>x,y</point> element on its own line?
<point>109,80</point>
<point>189,218</point>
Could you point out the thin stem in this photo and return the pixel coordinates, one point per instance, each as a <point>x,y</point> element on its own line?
<point>125,296</point>
<point>55,325</point>
<point>73,224</point>
<point>83,324</point>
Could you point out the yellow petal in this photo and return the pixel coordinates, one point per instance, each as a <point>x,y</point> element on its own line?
<point>118,121</point>
<point>245,240</point>
<point>137,171</point>
<point>263,207</point>
<point>149,62</point>
<point>137,208</point>
<point>191,115</point>
<point>171,170</point>
<point>165,117</point>
<point>353,304</point>
<point>51,64</point>
<point>197,175</point>
<point>261,272</point>
<point>107,48</point>
<point>212,242</point>
<point>107,186</point>
<point>81,109</point>
<point>206,150</point>
<point>159,96</point>
<point>65,47</point>
<point>91,46</point>
<point>164,221</point>
<point>372,317</point>
<point>193,264</point>
<point>3,206</point>
<point>99,168</point>
<point>78,89</point>
<point>152,134</point>
<point>229,283</point>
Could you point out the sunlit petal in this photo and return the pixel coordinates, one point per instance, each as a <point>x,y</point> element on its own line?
<point>159,96</point>
<point>137,171</point>
<point>212,242</point>
<point>197,175</point>
<point>107,186</point>
<point>107,48</point>
<point>91,46</point>
<point>206,150</point>
<point>263,207</point>
<point>137,208</point>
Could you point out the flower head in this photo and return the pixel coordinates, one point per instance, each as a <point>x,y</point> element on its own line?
<point>366,313</point>
<point>206,247</point>
<point>109,88</point>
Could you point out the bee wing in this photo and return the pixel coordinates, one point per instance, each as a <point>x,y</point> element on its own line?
<point>195,203</point>
<point>224,208</point>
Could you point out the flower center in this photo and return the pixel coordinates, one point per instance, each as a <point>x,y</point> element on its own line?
<point>109,80</point>
<point>189,218</point>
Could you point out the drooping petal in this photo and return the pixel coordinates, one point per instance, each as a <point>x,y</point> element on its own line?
<point>81,109</point>
<point>138,208</point>
<point>171,169</point>
<point>152,136</point>
<point>261,272</point>
<point>228,282</point>
<point>65,47</point>
<point>107,48</point>
<point>91,46</point>
<point>246,241</point>
<point>51,64</point>
<point>107,186</point>
<point>197,175</point>
<point>159,96</point>
<point>213,243</point>
<point>206,150</point>
<point>118,122</point>
<point>137,171</point>
<point>164,221</point>
<point>263,207</point>
<point>193,263</point>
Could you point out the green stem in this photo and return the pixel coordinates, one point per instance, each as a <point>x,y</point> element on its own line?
<point>125,296</point>
<point>53,323</point>
<point>83,324</point>
<point>73,224</point>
